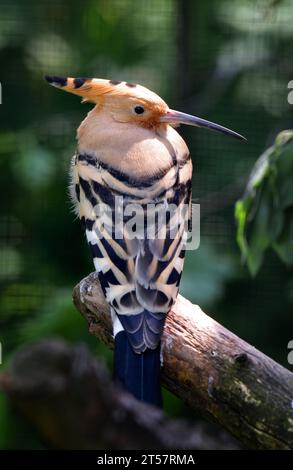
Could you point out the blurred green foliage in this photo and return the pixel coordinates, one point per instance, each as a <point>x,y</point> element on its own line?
<point>228,61</point>
<point>265,213</point>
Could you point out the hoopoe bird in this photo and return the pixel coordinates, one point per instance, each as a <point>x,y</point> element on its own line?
<point>128,155</point>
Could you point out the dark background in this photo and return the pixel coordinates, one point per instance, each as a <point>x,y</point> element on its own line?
<point>228,61</point>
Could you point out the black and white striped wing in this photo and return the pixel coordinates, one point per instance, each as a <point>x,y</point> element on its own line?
<point>140,275</point>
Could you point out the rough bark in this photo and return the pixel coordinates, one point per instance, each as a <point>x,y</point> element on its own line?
<point>212,370</point>
<point>70,399</point>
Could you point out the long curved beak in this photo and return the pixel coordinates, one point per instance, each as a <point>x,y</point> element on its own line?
<point>176,117</point>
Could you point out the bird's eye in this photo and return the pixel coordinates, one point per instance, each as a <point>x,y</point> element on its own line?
<point>138,110</point>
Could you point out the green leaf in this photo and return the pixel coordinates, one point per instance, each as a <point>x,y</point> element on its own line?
<point>264,216</point>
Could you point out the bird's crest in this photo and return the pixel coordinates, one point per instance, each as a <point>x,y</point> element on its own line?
<point>95,89</point>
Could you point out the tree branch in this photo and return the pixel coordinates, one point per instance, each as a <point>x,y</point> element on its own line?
<point>69,398</point>
<point>212,370</point>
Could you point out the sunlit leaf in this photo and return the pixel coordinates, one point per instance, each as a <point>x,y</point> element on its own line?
<point>264,215</point>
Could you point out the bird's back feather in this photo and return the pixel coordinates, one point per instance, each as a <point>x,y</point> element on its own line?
<point>139,275</point>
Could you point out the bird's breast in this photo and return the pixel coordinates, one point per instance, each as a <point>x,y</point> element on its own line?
<point>129,148</point>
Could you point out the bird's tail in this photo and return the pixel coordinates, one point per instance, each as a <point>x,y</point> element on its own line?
<point>139,374</point>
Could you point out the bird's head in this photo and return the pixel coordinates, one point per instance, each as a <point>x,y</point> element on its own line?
<point>131,103</point>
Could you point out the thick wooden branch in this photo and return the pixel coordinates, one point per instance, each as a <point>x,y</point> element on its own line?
<point>212,370</point>
<point>70,399</point>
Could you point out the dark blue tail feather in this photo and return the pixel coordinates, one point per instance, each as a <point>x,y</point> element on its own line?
<point>139,374</point>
